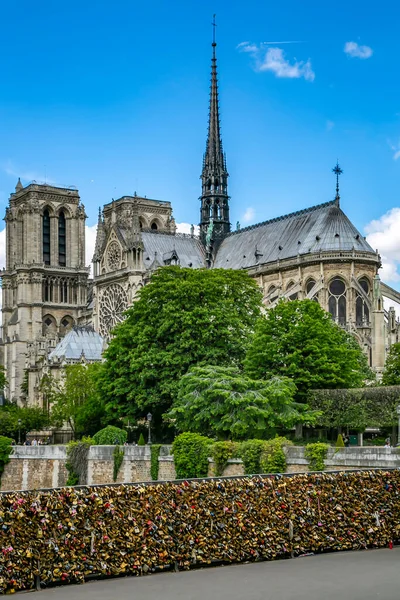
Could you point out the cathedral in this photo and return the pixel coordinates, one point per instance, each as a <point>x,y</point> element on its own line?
<point>55,314</point>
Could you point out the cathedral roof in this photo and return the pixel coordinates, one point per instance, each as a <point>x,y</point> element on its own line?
<point>317,229</point>
<point>164,247</point>
<point>80,342</point>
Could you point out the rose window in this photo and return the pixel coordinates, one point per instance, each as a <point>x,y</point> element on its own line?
<point>113,304</point>
<point>113,256</point>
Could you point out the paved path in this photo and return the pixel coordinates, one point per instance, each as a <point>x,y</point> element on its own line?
<point>363,575</point>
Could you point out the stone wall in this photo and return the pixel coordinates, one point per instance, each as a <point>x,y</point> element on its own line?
<point>34,467</point>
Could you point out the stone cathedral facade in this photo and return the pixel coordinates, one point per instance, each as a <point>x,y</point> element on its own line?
<point>314,253</point>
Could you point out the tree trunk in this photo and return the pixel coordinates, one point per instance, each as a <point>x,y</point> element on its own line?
<point>299,431</point>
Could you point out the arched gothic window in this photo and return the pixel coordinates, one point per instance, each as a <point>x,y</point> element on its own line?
<point>309,286</point>
<point>292,296</point>
<point>154,226</point>
<point>62,252</point>
<point>337,300</point>
<point>362,310</point>
<point>46,237</point>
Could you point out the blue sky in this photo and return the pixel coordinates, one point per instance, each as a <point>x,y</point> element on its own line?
<point>112,97</point>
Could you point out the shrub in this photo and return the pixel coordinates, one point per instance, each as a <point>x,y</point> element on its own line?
<point>5,451</point>
<point>273,457</point>
<point>76,465</point>
<point>339,441</point>
<point>141,441</point>
<point>154,466</point>
<point>221,452</point>
<point>118,456</point>
<point>110,436</point>
<point>250,453</point>
<point>191,451</point>
<point>316,454</point>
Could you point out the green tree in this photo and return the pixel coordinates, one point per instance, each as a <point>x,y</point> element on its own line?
<point>299,340</point>
<point>222,402</point>
<point>183,317</point>
<point>3,380</point>
<point>110,436</point>
<point>14,419</point>
<point>391,374</point>
<point>78,400</point>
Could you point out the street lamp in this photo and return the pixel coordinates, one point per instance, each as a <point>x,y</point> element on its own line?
<point>149,418</point>
<point>19,431</point>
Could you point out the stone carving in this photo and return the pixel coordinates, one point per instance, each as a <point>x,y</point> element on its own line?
<point>112,306</point>
<point>114,256</point>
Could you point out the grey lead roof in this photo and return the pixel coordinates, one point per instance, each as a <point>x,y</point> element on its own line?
<point>320,228</point>
<point>79,342</point>
<point>161,247</point>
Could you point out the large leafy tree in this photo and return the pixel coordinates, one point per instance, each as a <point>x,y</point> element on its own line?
<point>15,420</point>
<point>391,374</point>
<point>299,340</point>
<point>78,399</point>
<point>222,402</point>
<point>183,317</point>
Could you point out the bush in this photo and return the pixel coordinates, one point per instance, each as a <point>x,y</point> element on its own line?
<point>154,465</point>
<point>273,457</point>
<point>5,451</point>
<point>118,456</point>
<point>316,454</point>
<point>339,441</point>
<point>110,436</point>
<point>221,452</point>
<point>76,465</point>
<point>250,453</point>
<point>191,452</point>
<point>141,441</point>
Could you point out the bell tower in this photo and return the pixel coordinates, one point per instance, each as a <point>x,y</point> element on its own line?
<point>214,211</point>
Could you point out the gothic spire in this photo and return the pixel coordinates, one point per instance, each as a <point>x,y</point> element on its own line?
<point>214,198</point>
<point>214,155</point>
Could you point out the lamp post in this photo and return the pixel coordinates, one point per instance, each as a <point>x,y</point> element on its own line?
<point>149,418</point>
<point>19,431</point>
<point>398,427</point>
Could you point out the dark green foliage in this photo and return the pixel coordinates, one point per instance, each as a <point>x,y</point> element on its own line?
<point>154,466</point>
<point>5,451</point>
<point>77,461</point>
<point>118,456</point>
<point>191,452</point>
<point>357,408</point>
<point>222,402</point>
<point>110,436</point>
<point>183,317</point>
<point>299,340</point>
<point>141,441</point>
<point>391,374</point>
<point>273,457</point>
<point>339,441</point>
<point>316,454</point>
<point>221,452</point>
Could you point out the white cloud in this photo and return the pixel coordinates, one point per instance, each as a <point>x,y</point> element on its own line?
<point>248,215</point>
<point>274,60</point>
<point>90,241</point>
<point>356,51</point>
<point>396,150</point>
<point>25,175</point>
<point>383,234</point>
<point>185,228</point>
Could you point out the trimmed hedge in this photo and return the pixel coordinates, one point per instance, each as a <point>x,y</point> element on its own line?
<point>69,535</point>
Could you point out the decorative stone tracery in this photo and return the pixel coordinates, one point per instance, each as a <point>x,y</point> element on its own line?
<point>113,304</point>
